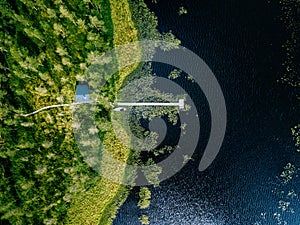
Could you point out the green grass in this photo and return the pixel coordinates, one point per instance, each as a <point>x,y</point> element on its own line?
<point>99,204</point>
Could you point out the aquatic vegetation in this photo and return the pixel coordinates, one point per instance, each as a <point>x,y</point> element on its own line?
<point>144,219</point>
<point>287,195</point>
<point>296,136</point>
<point>182,11</point>
<point>145,196</point>
<point>290,17</point>
<point>174,74</point>
<point>288,173</point>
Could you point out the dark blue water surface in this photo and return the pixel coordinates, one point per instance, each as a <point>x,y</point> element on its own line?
<point>241,42</point>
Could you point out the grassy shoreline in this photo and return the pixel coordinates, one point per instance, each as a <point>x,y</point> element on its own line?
<point>99,204</point>
<point>44,178</point>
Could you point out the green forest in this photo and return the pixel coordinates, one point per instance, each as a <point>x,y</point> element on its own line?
<point>46,48</point>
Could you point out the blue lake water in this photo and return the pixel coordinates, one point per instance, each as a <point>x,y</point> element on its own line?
<point>241,43</point>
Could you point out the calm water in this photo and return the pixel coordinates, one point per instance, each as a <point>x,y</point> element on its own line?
<point>241,42</point>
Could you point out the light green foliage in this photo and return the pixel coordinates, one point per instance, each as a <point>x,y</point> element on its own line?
<point>296,136</point>
<point>140,90</point>
<point>174,74</point>
<point>144,219</point>
<point>288,173</point>
<point>182,11</point>
<point>145,197</point>
<point>99,204</point>
<point>163,150</point>
<point>171,42</point>
<point>152,173</point>
<point>147,27</point>
<point>190,78</point>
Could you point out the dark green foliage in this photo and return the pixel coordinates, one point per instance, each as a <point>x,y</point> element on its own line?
<point>45,47</point>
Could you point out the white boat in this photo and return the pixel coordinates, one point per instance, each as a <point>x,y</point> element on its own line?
<point>119,109</point>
